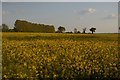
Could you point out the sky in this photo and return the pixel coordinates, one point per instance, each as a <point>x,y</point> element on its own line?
<point>101,15</point>
<point>0,13</point>
<point>59,0</point>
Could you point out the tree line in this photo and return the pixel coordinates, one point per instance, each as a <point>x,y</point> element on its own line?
<point>62,30</point>
<point>25,26</point>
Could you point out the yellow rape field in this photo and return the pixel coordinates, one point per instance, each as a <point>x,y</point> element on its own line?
<point>58,55</point>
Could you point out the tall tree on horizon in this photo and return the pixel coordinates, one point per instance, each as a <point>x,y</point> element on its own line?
<point>61,29</point>
<point>5,28</point>
<point>84,29</point>
<point>92,29</point>
<point>75,30</point>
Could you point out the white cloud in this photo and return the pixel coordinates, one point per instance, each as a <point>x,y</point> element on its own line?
<point>111,16</point>
<point>86,11</point>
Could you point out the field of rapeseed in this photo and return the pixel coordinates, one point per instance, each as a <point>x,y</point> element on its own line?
<point>57,55</point>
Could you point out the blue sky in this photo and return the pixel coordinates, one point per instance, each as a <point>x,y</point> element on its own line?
<point>102,15</point>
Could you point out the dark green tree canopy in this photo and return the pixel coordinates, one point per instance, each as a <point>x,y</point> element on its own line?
<point>61,29</point>
<point>92,29</point>
<point>5,28</point>
<point>25,26</point>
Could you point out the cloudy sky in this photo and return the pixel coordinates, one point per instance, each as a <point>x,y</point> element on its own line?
<point>60,0</point>
<point>102,15</point>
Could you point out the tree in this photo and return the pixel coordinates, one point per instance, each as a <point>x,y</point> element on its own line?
<point>75,30</point>
<point>0,28</point>
<point>61,29</point>
<point>5,28</point>
<point>78,31</point>
<point>84,29</point>
<point>25,26</point>
<point>92,29</point>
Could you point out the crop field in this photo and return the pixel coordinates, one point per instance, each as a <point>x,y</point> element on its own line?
<point>0,55</point>
<point>58,55</point>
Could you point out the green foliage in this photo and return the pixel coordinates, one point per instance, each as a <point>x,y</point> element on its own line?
<point>5,28</point>
<point>41,55</point>
<point>24,26</point>
<point>61,29</point>
<point>78,32</point>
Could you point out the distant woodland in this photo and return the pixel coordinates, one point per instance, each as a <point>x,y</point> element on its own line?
<point>25,26</point>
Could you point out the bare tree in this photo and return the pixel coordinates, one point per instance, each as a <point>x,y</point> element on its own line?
<point>84,29</point>
<point>75,30</point>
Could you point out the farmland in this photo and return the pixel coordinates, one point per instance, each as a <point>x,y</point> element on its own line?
<point>59,55</point>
